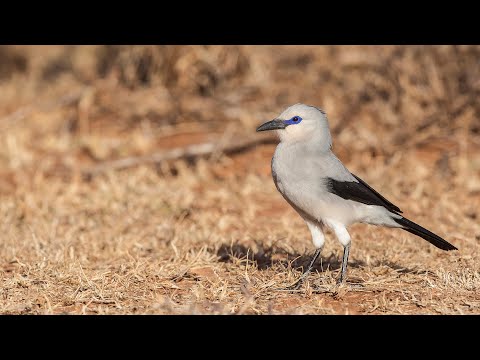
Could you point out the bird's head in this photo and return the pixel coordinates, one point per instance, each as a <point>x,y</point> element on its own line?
<point>300,122</point>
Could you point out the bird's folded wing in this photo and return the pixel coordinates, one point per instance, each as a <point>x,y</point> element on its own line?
<point>359,191</point>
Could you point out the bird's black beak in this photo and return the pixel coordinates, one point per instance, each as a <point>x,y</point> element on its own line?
<point>272,125</point>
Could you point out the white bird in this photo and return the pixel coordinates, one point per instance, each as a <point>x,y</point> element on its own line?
<point>321,189</point>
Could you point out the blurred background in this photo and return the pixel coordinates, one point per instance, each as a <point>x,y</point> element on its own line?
<point>114,154</point>
<point>64,109</point>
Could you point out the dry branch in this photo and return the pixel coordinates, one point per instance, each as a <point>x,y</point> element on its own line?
<point>189,152</point>
<point>25,111</point>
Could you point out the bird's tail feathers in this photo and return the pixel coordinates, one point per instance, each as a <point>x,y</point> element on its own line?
<point>432,238</point>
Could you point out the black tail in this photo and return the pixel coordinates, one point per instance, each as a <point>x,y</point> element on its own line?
<point>433,239</point>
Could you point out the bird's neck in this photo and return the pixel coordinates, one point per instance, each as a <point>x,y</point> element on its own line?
<point>311,144</point>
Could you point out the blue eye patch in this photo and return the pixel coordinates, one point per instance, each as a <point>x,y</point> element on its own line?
<point>294,120</point>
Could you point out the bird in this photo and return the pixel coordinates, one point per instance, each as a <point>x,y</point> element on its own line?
<point>323,191</point>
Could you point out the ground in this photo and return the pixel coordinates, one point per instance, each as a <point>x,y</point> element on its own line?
<point>210,234</point>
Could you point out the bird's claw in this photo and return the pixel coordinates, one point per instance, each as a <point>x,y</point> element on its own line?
<point>342,282</point>
<point>295,287</point>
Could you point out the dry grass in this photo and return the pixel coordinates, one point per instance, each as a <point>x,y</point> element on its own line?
<point>212,235</point>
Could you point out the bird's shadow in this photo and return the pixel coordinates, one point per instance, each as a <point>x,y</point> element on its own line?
<point>263,257</point>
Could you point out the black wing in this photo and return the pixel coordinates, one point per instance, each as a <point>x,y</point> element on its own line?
<point>361,192</point>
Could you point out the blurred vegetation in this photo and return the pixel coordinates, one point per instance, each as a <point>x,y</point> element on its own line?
<point>107,102</point>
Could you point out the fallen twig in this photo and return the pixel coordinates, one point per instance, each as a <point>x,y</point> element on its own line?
<point>27,110</point>
<point>189,152</point>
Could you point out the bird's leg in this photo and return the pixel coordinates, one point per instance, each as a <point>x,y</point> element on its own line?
<point>297,285</point>
<point>343,274</point>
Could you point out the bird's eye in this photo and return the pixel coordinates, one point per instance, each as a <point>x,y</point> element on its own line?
<point>294,120</point>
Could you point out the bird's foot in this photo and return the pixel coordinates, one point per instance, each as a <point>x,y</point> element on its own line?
<point>296,286</point>
<point>355,286</point>
<point>352,285</point>
<point>323,290</point>
<point>292,288</point>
